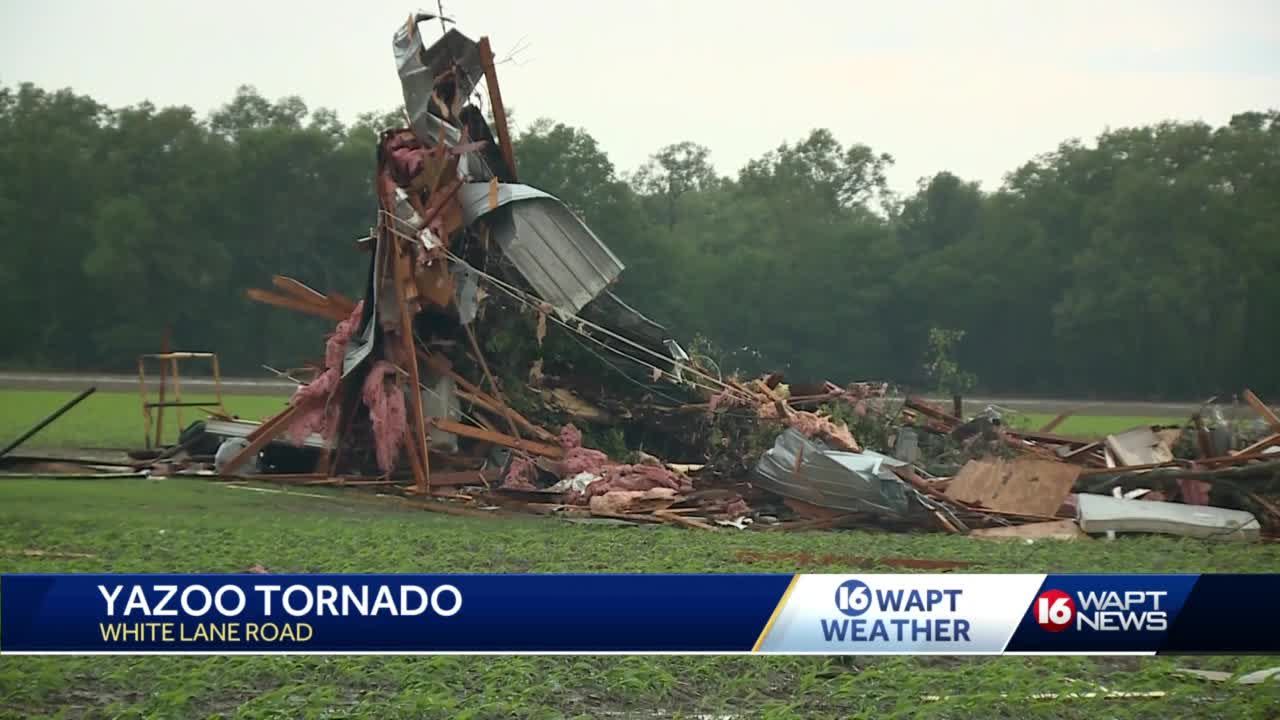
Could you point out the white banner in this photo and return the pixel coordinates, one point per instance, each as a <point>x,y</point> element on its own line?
<point>927,614</point>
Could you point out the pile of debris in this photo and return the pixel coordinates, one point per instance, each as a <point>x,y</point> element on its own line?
<point>490,368</point>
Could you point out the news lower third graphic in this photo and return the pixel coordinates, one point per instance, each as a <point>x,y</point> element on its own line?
<point>724,614</point>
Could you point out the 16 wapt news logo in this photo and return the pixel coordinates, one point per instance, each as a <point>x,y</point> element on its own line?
<point>1102,610</point>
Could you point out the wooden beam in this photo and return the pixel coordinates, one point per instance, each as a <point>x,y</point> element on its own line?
<point>299,289</point>
<point>1049,426</point>
<point>1262,409</point>
<point>493,384</point>
<point>495,101</point>
<point>1263,444</point>
<point>552,451</point>
<point>329,312</point>
<point>471,391</point>
<point>417,422</point>
<point>932,412</point>
<point>266,432</point>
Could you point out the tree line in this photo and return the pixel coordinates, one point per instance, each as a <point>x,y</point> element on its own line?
<point>1143,264</point>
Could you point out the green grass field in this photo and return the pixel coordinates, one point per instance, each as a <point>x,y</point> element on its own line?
<point>107,419</point>
<point>196,526</point>
<point>114,419</point>
<point>191,525</point>
<point>1093,426</point>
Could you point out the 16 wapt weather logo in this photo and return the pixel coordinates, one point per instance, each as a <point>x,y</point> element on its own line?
<point>920,608</point>
<point>868,614</point>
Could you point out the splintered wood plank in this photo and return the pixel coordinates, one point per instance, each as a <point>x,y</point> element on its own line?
<point>1024,485</point>
<point>292,303</point>
<point>299,289</point>
<point>495,103</point>
<point>1262,409</point>
<point>266,432</point>
<point>497,438</point>
<point>1262,444</point>
<point>1053,530</point>
<point>418,447</point>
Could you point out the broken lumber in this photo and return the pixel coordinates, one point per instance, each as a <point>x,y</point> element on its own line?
<point>472,392</point>
<point>495,102</point>
<point>417,447</point>
<point>554,452</point>
<point>49,419</point>
<point>1262,409</point>
<point>1050,530</point>
<point>260,438</point>
<point>290,302</point>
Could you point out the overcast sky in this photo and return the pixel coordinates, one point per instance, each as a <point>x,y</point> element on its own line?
<point>972,87</point>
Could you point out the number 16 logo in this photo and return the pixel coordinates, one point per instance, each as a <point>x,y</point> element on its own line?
<point>1054,610</point>
<point>853,598</point>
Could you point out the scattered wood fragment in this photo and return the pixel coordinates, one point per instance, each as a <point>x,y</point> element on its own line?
<point>1050,530</point>
<point>552,451</point>
<point>679,519</point>
<point>1262,409</point>
<point>260,438</point>
<point>1058,420</point>
<point>51,554</point>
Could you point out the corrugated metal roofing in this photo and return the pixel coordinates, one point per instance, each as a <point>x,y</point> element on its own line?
<point>563,261</point>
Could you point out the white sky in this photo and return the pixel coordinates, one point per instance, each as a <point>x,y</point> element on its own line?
<point>976,88</point>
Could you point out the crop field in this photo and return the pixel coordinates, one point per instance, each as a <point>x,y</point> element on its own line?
<point>198,526</point>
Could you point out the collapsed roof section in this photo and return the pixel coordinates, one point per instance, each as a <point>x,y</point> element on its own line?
<point>557,253</point>
<point>552,250</point>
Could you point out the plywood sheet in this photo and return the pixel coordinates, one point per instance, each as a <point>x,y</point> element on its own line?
<point>1139,446</point>
<point>1034,487</point>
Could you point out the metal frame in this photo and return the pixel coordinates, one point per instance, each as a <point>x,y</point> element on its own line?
<point>169,361</point>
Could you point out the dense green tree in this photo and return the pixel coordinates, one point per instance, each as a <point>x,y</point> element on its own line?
<point>1142,264</point>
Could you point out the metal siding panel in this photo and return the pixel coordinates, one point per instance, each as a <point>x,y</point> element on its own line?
<point>564,262</point>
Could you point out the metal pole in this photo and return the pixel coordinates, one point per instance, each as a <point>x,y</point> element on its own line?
<point>41,425</point>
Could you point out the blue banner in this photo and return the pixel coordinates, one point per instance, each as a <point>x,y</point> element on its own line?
<point>822,614</point>
<point>385,613</point>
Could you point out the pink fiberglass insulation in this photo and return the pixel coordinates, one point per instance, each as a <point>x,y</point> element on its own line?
<point>814,425</point>
<point>730,506</point>
<point>520,474</point>
<point>578,459</point>
<point>385,401</point>
<point>638,477</point>
<point>725,398</point>
<point>315,412</point>
<point>336,346</point>
<point>570,437</point>
<point>406,158</point>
